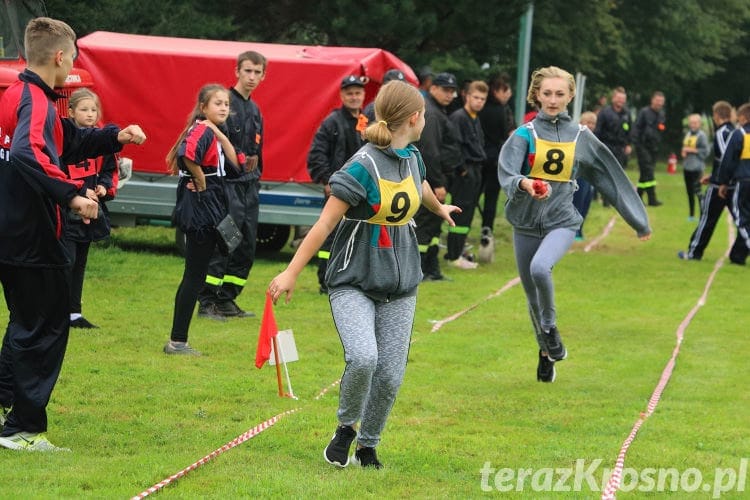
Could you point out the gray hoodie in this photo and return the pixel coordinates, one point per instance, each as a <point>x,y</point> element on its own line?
<point>592,160</point>
<point>379,258</point>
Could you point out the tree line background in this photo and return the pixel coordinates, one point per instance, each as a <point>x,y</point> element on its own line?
<point>692,50</point>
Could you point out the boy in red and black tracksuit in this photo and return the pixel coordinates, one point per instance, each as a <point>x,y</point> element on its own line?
<point>35,195</point>
<point>735,168</point>
<point>713,204</point>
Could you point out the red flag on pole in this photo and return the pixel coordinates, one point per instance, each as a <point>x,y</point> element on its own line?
<point>268,331</point>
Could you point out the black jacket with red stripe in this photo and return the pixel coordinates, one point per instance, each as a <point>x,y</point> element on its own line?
<point>34,190</point>
<point>93,172</point>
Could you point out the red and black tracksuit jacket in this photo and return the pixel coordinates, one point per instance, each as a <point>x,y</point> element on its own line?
<point>34,189</point>
<point>92,172</point>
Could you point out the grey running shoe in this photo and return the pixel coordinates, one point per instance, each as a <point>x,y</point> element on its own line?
<point>337,451</point>
<point>28,441</point>
<point>182,348</point>
<point>545,370</point>
<point>555,348</point>
<point>3,415</point>
<point>366,457</point>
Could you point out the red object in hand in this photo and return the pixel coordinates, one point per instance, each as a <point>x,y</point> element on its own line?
<point>539,187</point>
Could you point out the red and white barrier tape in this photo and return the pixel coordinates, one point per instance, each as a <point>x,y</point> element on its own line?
<point>608,493</point>
<point>604,234</point>
<point>326,389</point>
<point>237,441</point>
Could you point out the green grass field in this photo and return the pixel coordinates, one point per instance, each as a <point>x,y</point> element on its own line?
<point>470,400</point>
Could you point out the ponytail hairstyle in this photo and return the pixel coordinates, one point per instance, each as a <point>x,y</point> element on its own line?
<point>395,103</point>
<point>204,96</point>
<point>548,72</point>
<point>83,93</point>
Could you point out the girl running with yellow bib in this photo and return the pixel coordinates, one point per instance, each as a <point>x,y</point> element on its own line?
<point>374,270</point>
<point>556,150</point>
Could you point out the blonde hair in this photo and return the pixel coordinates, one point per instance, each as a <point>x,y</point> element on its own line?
<point>44,36</point>
<point>81,95</point>
<point>548,72</point>
<point>478,86</point>
<point>744,112</point>
<point>723,110</point>
<point>588,118</point>
<point>204,96</point>
<point>395,103</point>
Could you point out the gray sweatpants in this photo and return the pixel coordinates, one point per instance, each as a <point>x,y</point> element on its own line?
<point>375,337</point>
<point>535,258</point>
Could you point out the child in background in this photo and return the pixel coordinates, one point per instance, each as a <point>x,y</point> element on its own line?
<point>694,153</point>
<point>199,157</point>
<point>99,177</point>
<point>585,192</point>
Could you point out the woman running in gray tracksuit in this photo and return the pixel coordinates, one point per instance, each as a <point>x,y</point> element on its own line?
<point>554,151</point>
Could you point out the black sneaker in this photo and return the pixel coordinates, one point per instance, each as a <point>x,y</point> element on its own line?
<point>545,370</point>
<point>210,311</point>
<point>231,309</point>
<point>337,451</point>
<point>555,348</point>
<point>82,322</point>
<point>366,457</point>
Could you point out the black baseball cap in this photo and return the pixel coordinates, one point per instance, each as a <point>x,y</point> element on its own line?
<point>393,74</point>
<point>352,80</point>
<point>445,80</point>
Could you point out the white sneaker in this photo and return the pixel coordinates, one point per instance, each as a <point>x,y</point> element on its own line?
<point>462,263</point>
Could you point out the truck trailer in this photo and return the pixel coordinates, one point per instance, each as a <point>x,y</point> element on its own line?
<point>153,81</point>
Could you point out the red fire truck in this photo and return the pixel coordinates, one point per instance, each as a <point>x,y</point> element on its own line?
<point>153,81</point>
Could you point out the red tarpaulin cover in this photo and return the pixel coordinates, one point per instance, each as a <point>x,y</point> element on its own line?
<point>154,81</point>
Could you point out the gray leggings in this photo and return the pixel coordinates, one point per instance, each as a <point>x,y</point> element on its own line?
<point>375,337</point>
<point>535,258</point>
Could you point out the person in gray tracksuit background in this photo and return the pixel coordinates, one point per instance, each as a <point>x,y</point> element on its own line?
<point>555,150</point>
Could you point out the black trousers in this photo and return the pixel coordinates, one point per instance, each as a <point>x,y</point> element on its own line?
<point>646,167</point>
<point>741,210</point>
<point>227,275</point>
<point>491,188</point>
<point>79,255</point>
<point>34,344</point>
<point>713,206</point>
<point>465,190</point>
<point>693,190</point>
<point>198,250</point>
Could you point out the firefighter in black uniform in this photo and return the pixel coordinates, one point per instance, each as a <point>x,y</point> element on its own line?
<point>647,132</point>
<point>227,275</point>
<point>337,139</point>
<point>441,149</point>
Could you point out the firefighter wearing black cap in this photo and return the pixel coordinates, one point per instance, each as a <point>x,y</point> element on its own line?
<point>337,139</point>
<point>441,149</point>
